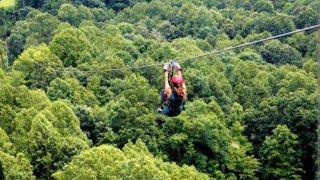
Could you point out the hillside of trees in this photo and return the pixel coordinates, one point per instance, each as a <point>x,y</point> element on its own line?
<point>251,113</point>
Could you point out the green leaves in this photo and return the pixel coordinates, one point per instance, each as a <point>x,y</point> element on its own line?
<point>280,154</point>
<point>66,108</point>
<point>71,90</point>
<point>15,167</point>
<point>26,33</point>
<point>48,134</point>
<point>263,6</point>
<point>39,66</point>
<point>3,55</point>
<point>306,16</point>
<point>72,47</point>
<point>51,138</point>
<point>277,53</point>
<point>200,136</point>
<point>134,162</point>
<point>5,144</point>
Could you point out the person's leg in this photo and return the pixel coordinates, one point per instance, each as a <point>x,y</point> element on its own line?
<point>165,110</point>
<point>163,96</point>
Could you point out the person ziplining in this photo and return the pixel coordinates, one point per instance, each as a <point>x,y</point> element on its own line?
<point>174,94</point>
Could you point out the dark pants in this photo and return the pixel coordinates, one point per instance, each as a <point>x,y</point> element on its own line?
<point>164,106</point>
<point>163,96</point>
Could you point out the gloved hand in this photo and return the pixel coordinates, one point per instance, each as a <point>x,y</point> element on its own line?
<point>176,66</point>
<point>166,67</point>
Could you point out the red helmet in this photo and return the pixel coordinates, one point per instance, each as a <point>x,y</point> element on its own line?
<point>177,79</point>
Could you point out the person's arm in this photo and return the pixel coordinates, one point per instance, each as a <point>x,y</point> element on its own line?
<point>167,88</point>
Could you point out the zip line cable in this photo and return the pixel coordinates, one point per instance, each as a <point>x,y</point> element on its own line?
<point>199,56</point>
<point>218,51</point>
<point>253,42</point>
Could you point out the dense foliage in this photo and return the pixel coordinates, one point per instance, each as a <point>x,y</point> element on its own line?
<point>250,114</point>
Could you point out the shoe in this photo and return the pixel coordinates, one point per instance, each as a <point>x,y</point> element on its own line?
<point>166,67</point>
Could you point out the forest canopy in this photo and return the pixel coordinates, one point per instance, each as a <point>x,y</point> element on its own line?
<point>72,106</point>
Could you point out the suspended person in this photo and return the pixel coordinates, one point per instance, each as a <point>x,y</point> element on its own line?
<point>174,94</point>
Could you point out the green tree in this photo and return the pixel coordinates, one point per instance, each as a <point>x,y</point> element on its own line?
<point>53,6</point>
<point>13,99</point>
<point>306,16</point>
<point>15,46</point>
<point>300,42</point>
<point>279,4</point>
<point>313,44</point>
<point>263,6</point>
<point>249,81</point>
<point>49,137</point>
<point>251,55</point>
<point>3,55</point>
<point>134,161</point>
<point>205,85</point>
<point>199,136</point>
<point>93,3</point>
<point>39,66</point>
<point>134,98</point>
<point>12,165</point>
<point>118,5</point>
<point>71,90</point>
<point>5,144</point>
<point>276,24</point>
<point>69,13</point>
<point>27,33</point>
<point>48,24</point>
<point>167,30</point>
<point>276,52</point>
<point>33,3</point>
<point>72,47</point>
<point>228,28</point>
<point>84,13</point>
<point>200,26</point>
<point>102,15</point>
<point>75,15</point>
<point>95,124</point>
<point>127,113</point>
<point>280,155</point>
<point>310,66</point>
<point>15,167</point>
<point>297,110</point>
